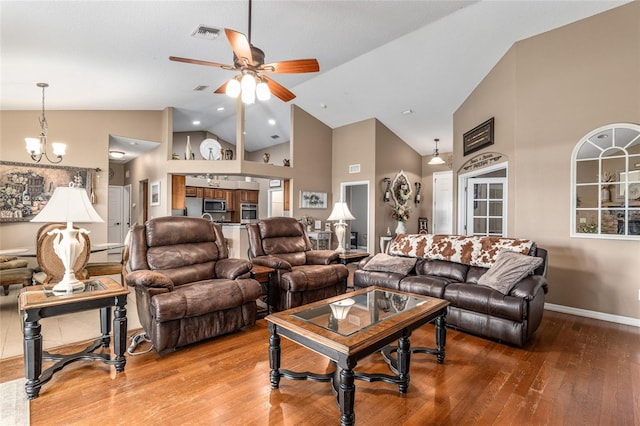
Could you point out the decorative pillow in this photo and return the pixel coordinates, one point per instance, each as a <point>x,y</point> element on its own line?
<point>509,268</point>
<point>385,263</point>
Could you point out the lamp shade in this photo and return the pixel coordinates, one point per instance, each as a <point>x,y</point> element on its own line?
<point>341,212</point>
<point>435,160</point>
<point>68,204</point>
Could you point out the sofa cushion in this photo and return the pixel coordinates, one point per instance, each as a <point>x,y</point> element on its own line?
<point>425,285</point>
<point>382,262</point>
<point>466,249</point>
<point>508,269</point>
<point>313,277</point>
<point>485,300</point>
<point>442,268</point>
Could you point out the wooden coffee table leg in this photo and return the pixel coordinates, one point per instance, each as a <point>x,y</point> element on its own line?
<point>120,337</point>
<point>441,336</point>
<point>404,359</point>
<point>274,358</point>
<point>346,397</point>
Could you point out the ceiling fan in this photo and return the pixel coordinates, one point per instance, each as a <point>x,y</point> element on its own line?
<point>249,60</point>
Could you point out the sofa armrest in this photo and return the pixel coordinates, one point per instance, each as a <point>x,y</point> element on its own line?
<point>149,279</point>
<point>232,268</point>
<point>321,257</point>
<point>271,262</point>
<point>528,287</point>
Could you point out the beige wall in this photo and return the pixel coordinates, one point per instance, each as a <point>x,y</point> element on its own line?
<point>546,94</point>
<point>86,134</point>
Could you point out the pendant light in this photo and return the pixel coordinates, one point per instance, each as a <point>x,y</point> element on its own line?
<point>37,147</point>
<point>436,159</point>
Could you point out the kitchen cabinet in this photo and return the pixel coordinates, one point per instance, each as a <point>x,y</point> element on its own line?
<point>178,192</point>
<point>248,196</point>
<point>195,191</point>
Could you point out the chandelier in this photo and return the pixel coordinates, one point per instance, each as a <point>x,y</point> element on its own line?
<point>37,147</point>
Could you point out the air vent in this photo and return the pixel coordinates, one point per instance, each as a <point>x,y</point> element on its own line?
<point>207,33</point>
<point>200,88</point>
<point>275,136</point>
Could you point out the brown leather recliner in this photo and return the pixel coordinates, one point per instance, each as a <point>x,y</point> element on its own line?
<point>187,290</point>
<point>302,275</point>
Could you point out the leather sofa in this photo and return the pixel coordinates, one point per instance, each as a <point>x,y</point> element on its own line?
<point>451,268</point>
<point>187,289</point>
<point>302,275</point>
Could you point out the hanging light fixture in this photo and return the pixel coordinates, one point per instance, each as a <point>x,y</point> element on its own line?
<point>436,159</point>
<point>37,147</point>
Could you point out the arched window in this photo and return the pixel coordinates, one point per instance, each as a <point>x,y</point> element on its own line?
<point>606,183</point>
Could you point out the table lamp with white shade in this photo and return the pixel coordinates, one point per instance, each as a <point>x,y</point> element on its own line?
<point>68,204</point>
<point>340,213</point>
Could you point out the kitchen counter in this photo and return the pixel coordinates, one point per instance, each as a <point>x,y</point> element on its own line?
<point>237,240</point>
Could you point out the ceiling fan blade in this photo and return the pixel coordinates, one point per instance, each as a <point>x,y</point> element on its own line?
<point>292,67</point>
<point>239,44</point>
<point>199,62</point>
<point>222,89</point>
<point>279,90</point>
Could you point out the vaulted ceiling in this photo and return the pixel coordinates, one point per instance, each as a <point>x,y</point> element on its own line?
<point>377,59</point>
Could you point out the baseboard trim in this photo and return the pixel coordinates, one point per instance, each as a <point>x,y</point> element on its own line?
<point>593,314</point>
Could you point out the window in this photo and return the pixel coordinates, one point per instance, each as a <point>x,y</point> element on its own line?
<point>606,183</point>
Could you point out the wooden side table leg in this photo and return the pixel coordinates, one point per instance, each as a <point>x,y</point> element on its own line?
<point>120,337</point>
<point>32,358</point>
<point>105,325</point>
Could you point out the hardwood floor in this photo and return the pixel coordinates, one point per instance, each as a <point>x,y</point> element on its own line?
<point>576,371</point>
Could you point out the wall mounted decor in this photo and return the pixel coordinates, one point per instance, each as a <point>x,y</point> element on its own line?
<point>401,188</point>
<point>478,137</point>
<point>25,188</point>
<point>313,200</point>
<point>154,194</point>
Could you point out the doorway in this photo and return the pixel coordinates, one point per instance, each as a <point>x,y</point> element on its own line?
<point>275,203</point>
<point>356,195</point>
<point>442,215</point>
<point>482,197</point>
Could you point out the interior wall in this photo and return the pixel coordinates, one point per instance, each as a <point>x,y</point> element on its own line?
<point>86,134</point>
<point>546,94</point>
<point>392,156</point>
<point>354,144</point>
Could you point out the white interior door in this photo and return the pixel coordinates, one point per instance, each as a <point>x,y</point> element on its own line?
<point>442,203</point>
<point>275,203</point>
<point>115,220</point>
<point>486,206</point>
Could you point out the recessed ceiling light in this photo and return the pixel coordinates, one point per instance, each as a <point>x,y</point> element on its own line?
<point>220,109</point>
<point>116,154</point>
<point>272,121</point>
<point>407,111</point>
<point>323,106</point>
<point>196,122</point>
<point>133,143</point>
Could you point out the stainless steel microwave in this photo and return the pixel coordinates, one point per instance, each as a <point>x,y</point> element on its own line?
<point>214,206</point>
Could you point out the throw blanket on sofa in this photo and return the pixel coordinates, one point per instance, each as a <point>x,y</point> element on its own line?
<point>469,250</point>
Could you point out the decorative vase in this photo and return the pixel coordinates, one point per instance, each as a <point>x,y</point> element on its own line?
<point>188,153</point>
<point>265,157</point>
<point>400,228</point>
<point>605,195</point>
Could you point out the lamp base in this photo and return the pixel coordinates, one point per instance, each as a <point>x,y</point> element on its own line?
<point>68,285</point>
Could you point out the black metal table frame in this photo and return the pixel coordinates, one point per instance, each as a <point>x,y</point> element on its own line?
<point>343,377</point>
<point>34,354</point>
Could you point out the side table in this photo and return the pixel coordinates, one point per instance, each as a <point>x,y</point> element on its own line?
<point>37,302</point>
<point>352,256</point>
<point>263,274</point>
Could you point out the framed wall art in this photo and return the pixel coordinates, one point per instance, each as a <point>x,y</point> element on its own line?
<point>479,137</point>
<point>154,194</point>
<point>313,200</point>
<point>25,188</point>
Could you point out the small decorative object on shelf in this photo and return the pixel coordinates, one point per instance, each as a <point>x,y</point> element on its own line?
<point>286,162</point>
<point>188,153</point>
<point>400,214</point>
<point>265,157</point>
<point>228,154</point>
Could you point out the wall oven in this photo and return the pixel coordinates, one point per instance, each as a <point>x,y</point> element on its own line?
<point>248,213</point>
<point>214,206</point>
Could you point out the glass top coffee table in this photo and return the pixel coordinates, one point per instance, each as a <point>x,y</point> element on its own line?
<point>351,326</point>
